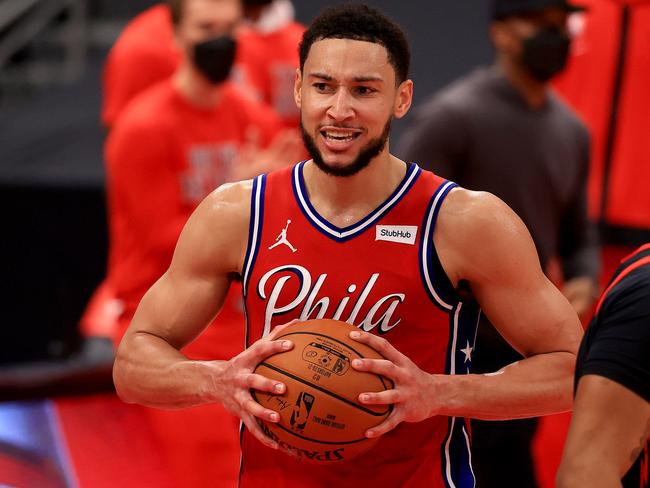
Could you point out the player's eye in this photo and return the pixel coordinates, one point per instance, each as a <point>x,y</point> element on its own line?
<point>364,90</point>
<point>321,87</point>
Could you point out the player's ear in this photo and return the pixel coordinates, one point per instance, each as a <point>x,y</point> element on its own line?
<point>404,99</point>
<point>297,88</point>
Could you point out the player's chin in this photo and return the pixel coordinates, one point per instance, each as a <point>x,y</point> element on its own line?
<point>338,167</point>
<point>338,163</point>
<point>339,158</point>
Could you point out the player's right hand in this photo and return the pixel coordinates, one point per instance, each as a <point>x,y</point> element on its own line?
<point>236,379</point>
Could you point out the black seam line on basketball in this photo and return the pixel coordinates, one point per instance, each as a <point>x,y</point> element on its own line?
<point>327,392</point>
<point>337,443</point>
<point>340,342</point>
<point>309,438</point>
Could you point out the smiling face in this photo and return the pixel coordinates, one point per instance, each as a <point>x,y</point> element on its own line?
<point>348,94</point>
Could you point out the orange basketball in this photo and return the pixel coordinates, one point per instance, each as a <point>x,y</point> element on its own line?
<point>321,419</point>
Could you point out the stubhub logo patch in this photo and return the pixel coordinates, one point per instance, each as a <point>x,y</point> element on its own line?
<point>404,234</point>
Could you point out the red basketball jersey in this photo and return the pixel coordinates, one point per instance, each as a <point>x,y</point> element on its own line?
<point>382,275</point>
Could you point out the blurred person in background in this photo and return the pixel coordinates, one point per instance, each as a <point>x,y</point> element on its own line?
<point>172,145</point>
<point>267,57</point>
<point>607,444</point>
<point>606,82</point>
<point>270,55</point>
<point>500,129</point>
<point>146,53</point>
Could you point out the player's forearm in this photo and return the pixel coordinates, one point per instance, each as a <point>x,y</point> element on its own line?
<point>150,372</point>
<point>538,385</point>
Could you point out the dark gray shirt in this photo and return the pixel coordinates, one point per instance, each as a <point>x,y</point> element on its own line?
<point>480,133</point>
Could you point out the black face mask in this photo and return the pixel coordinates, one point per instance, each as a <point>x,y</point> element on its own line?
<point>214,58</point>
<point>545,53</point>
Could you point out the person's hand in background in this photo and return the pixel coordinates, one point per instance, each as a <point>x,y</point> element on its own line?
<point>253,159</point>
<point>581,292</point>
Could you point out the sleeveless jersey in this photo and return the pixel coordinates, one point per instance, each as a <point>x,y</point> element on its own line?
<point>382,275</point>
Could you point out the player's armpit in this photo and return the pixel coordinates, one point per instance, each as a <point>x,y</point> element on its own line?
<point>609,427</point>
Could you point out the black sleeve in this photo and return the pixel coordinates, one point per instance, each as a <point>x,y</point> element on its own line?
<point>579,243</point>
<point>434,139</point>
<point>620,347</point>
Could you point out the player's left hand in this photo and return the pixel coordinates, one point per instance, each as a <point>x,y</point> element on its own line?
<point>414,393</point>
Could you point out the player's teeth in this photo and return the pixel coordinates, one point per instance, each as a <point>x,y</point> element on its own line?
<point>339,136</point>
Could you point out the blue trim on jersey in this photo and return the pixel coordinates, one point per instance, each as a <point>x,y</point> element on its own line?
<point>254,230</point>
<point>456,456</point>
<point>443,299</point>
<point>455,451</point>
<point>338,234</point>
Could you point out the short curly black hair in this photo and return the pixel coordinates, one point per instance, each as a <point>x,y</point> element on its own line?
<point>360,23</point>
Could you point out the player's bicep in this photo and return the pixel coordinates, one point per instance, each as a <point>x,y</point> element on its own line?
<point>179,306</point>
<point>531,314</point>
<point>610,423</point>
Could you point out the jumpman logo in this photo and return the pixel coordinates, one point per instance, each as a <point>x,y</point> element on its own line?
<point>282,238</point>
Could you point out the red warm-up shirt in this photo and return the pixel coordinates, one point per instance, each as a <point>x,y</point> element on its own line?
<point>143,55</point>
<point>163,156</point>
<point>270,61</point>
<point>606,81</point>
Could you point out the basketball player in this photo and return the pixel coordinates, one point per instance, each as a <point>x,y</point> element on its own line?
<point>607,444</point>
<point>399,252</point>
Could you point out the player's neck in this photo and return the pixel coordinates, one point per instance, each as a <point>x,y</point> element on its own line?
<point>194,88</point>
<point>531,90</point>
<point>345,200</point>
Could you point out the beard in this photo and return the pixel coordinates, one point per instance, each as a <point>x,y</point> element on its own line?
<point>367,153</point>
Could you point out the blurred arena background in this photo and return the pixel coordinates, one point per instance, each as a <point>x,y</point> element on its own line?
<point>58,422</point>
<point>51,56</point>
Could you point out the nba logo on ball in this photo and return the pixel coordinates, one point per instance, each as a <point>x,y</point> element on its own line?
<point>301,412</point>
<point>321,419</point>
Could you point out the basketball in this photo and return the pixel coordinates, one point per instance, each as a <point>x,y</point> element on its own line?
<point>321,419</point>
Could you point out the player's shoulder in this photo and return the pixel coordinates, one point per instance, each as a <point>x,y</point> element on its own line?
<point>216,233</point>
<point>469,217</point>
<point>480,235</point>
<point>231,203</point>
<point>469,209</point>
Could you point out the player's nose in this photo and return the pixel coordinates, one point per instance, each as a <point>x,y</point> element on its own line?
<point>341,106</point>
